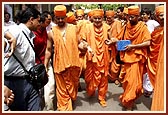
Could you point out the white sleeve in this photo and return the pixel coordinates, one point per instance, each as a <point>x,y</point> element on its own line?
<point>155,23</point>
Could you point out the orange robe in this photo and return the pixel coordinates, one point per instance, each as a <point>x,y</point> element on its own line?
<point>97,66</point>
<point>153,55</point>
<point>81,26</point>
<point>131,73</point>
<point>158,95</point>
<point>66,66</point>
<point>114,67</point>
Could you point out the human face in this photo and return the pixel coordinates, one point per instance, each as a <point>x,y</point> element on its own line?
<point>6,18</point>
<point>119,14</point>
<point>109,20</point>
<point>61,20</point>
<point>35,23</point>
<point>48,20</point>
<point>97,21</point>
<point>145,17</point>
<point>133,19</point>
<point>160,19</point>
<point>80,17</point>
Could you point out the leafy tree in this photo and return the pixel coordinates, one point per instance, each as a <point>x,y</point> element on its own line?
<point>103,6</point>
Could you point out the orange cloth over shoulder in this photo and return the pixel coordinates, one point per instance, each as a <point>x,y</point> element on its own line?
<point>158,94</point>
<point>136,35</point>
<point>153,54</point>
<point>66,62</point>
<point>98,65</point>
<point>134,63</point>
<point>115,29</point>
<point>64,57</point>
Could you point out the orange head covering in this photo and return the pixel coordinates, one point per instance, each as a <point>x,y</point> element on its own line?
<point>60,10</point>
<point>90,13</point>
<point>110,13</point>
<point>159,9</point>
<point>98,12</point>
<point>133,10</point>
<point>80,12</point>
<point>125,10</point>
<point>70,17</point>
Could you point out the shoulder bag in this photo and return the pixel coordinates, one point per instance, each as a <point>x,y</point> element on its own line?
<point>38,75</point>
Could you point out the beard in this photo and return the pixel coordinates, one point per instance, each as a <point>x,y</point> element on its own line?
<point>133,22</point>
<point>61,24</point>
<point>97,25</point>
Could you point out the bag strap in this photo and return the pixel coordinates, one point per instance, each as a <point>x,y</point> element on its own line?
<point>32,46</point>
<point>20,63</point>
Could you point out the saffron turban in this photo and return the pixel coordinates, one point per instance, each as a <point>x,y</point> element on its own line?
<point>70,17</point>
<point>133,10</point>
<point>80,12</point>
<point>110,13</point>
<point>98,12</point>
<point>60,10</point>
<point>159,9</point>
<point>125,10</point>
<point>90,13</point>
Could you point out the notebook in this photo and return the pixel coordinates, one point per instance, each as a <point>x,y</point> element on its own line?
<point>121,44</point>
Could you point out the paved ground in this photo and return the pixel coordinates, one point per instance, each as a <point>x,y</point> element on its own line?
<point>87,104</point>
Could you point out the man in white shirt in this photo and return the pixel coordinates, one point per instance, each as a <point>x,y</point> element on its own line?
<point>146,17</point>
<point>151,25</point>
<point>26,96</point>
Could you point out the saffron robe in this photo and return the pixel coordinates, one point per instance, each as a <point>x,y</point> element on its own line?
<point>158,94</point>
<point>97,66</point>
<point>114,67</point>
<point>66,66</point>
<point>153,54</point>
<point>131,74</point>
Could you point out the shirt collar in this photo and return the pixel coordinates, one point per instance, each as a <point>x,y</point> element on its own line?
<point>27,31</point>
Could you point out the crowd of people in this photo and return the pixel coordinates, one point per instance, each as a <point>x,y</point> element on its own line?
<point>73,46</point>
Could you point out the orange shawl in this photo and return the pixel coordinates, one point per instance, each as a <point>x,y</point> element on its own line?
<point>137,34</point>
<point>153,53</point>
<point>66,53</point>
<point>98,45</point>
<point>158,95</point>
<point>114,31</point>
<point>132,71</point>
